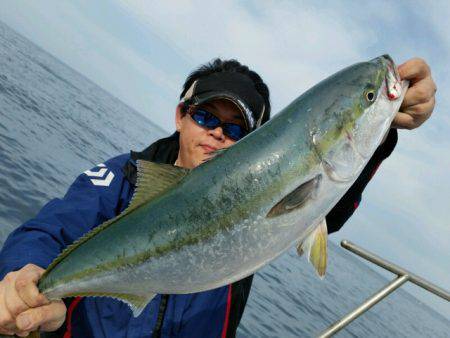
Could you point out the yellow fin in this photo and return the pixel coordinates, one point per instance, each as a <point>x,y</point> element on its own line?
<point>315,246</point>
<point>153,179</point>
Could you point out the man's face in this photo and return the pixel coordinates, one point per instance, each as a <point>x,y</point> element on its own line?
<point>197,142</point>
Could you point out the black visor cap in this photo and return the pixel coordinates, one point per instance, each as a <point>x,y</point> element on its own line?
<point>237,87</point>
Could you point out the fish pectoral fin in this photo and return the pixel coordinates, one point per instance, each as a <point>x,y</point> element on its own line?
<point>297,198</point>
<point>315,246</point>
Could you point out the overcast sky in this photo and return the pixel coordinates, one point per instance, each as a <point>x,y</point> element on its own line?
<point>142,51</point>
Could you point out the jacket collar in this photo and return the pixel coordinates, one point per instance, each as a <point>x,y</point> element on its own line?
<point>164,150</point>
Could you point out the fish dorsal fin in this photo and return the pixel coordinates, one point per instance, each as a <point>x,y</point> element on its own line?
<point>153,179</point>
<point>297,198</point>
<point>315,247</point>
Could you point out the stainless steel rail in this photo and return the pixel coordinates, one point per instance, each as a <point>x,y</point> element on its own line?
<point>396,269</point>
<point>403,277</point>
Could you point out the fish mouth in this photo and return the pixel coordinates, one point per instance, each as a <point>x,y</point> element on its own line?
<point>393,80</point>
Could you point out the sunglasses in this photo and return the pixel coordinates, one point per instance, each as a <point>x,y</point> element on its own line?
<point>208,120</point>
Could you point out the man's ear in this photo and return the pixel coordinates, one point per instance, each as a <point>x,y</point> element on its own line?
<point>179,114</point>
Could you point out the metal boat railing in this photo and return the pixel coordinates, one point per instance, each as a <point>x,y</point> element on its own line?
<point>403,276</point>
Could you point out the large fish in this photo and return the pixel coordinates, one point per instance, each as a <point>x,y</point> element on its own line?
<point>188,231</point>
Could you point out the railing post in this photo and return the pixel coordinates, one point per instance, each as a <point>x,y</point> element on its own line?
<point>403,277</point>
<point>344,321</point>
<point>413,278</point>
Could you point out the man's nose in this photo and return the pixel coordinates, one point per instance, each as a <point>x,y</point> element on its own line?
<point>217,133</point>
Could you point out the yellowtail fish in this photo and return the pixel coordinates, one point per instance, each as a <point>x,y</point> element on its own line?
<point>188,231</point>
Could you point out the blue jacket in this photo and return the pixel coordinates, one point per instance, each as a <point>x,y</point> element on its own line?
<point>102,193</point>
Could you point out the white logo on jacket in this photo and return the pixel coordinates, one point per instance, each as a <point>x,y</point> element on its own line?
<point>100,178</point>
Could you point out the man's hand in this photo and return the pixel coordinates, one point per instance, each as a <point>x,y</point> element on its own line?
<point>419,99</point>
<point>22,308</point>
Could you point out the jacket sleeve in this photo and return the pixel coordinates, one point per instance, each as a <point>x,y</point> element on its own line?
<point>93,198</point>
<point>350,201</point>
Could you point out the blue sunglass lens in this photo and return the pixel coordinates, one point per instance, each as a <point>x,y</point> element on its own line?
<point>208,120</point>
<point>234,131</point>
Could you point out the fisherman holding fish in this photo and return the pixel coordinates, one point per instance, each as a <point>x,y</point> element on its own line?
<point>221,102</point>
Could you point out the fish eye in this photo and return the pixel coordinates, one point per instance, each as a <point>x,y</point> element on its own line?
<point>370,95</point>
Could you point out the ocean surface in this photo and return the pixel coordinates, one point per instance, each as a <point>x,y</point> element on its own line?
<point>55,124</point>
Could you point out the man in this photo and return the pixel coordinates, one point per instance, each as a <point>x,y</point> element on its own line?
<point>221,102</point>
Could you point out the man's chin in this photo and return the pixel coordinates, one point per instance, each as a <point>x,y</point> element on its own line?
<point>206,158</point>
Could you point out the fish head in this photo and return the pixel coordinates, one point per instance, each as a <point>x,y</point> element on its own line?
<point>373,118</point>
<point>357,115</point>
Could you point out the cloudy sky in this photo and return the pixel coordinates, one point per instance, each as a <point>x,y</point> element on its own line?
<point>141,52</point>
